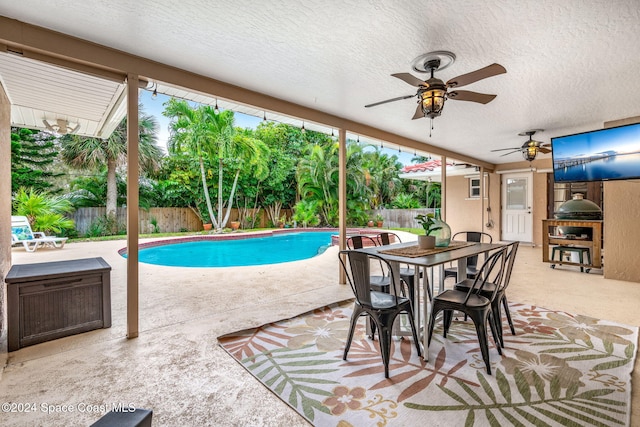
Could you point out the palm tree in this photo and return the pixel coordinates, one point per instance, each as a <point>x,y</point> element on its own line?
<point>317,176</point>
<point>381,172</point>
<point>241,150</point>
<point>93,153</point>
<point>208,133</point>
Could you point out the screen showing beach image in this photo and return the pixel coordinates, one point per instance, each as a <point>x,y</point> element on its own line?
<point>598,155</point>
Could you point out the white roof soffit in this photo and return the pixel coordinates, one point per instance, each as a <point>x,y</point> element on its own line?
<point>42,94</point>
<point>435,175</point>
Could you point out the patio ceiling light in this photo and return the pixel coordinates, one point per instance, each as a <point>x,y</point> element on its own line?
<point>530,153</point>
<point>432,100</point>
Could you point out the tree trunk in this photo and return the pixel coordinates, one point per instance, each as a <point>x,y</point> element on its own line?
<point>206,193</point>
<point>112,191</point>
<point>230,205</point>
<point>273,212</point>
<point>221,223</point>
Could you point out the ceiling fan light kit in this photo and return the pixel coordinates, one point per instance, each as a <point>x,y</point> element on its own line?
<point>530,148</point>
<point>530,153</point>
<point>432,101</point>
<point>432,93</point>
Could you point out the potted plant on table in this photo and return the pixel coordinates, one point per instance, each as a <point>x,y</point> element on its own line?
<point>429,224</point>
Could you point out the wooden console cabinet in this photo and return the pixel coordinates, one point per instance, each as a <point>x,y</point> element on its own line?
<point>51,300</point>
<point>551,237</point>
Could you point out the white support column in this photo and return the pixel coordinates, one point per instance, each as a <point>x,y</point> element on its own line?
<point>342,194</point>
<point>482,203</point>
<point>132,206</point>
<point>5,215</point>
<point>443,188</point>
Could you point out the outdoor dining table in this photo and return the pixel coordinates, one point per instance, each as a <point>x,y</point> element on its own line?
<point>410,253</point>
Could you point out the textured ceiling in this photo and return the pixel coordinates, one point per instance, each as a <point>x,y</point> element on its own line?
<point>571,64</point>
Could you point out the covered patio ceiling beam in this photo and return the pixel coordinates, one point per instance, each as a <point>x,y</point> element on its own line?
<point>19,35</point>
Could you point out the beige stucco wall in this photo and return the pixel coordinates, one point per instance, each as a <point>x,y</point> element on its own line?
<point>5,216</point>
<point>466,214</point>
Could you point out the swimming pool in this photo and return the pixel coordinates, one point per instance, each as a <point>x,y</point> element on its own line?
<point>259,250</point>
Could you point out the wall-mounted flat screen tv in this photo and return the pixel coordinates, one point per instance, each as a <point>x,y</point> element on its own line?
<point>599,155</point>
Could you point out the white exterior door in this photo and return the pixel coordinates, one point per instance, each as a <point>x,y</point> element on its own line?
<point>517,198</point>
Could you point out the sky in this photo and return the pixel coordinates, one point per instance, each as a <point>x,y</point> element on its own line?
<point>155,107</point>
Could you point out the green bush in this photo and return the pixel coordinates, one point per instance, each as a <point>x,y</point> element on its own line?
<point>105,226</point>
<point>45,212</point>
<point>405,201</point>
<point>306,213</point>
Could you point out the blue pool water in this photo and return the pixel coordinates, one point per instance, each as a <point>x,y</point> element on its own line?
<point>242,252</point>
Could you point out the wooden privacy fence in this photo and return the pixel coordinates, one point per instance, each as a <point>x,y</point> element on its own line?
<point>401,218</point>
<point>169,220</point>
<point>174,220</point>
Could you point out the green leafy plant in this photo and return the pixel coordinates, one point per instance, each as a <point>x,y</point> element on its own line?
<point>306,213</point>
<point>105,226</point>
<point>154,223</point>
<point>428,223</point>
<point>45,212</point>
<point>405,201</point>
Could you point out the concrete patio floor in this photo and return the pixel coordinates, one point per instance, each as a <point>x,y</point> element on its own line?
<point>175,366</point>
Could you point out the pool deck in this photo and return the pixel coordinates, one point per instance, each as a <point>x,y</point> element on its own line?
<point>175,366</point>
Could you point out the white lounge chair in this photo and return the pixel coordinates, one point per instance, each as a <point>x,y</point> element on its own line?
<point>21,234</point>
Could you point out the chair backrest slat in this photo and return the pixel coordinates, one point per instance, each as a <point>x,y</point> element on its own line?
<point>488,272</point>
<point>385,238</point>
<point>360,241</point>
<point>474,236</point>
<point>358,274</point>
<point>510,260</point>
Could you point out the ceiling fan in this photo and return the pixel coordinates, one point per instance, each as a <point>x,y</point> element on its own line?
<point>530,148</point>
<point>433,92</point>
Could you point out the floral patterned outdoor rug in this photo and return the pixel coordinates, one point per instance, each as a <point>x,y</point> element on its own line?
<point>559,370</point>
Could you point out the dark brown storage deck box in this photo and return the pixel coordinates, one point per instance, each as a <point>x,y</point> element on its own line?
<point>51,300</point>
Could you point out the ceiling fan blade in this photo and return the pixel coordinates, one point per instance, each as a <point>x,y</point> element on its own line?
<point>544,150</point>
<point>506,154</point>
<point>505,149</point>
<point>389,100</point>
<point>409,78</point>
<point>474,76</point>
<point>467,95</point>
<point>418,114</point>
